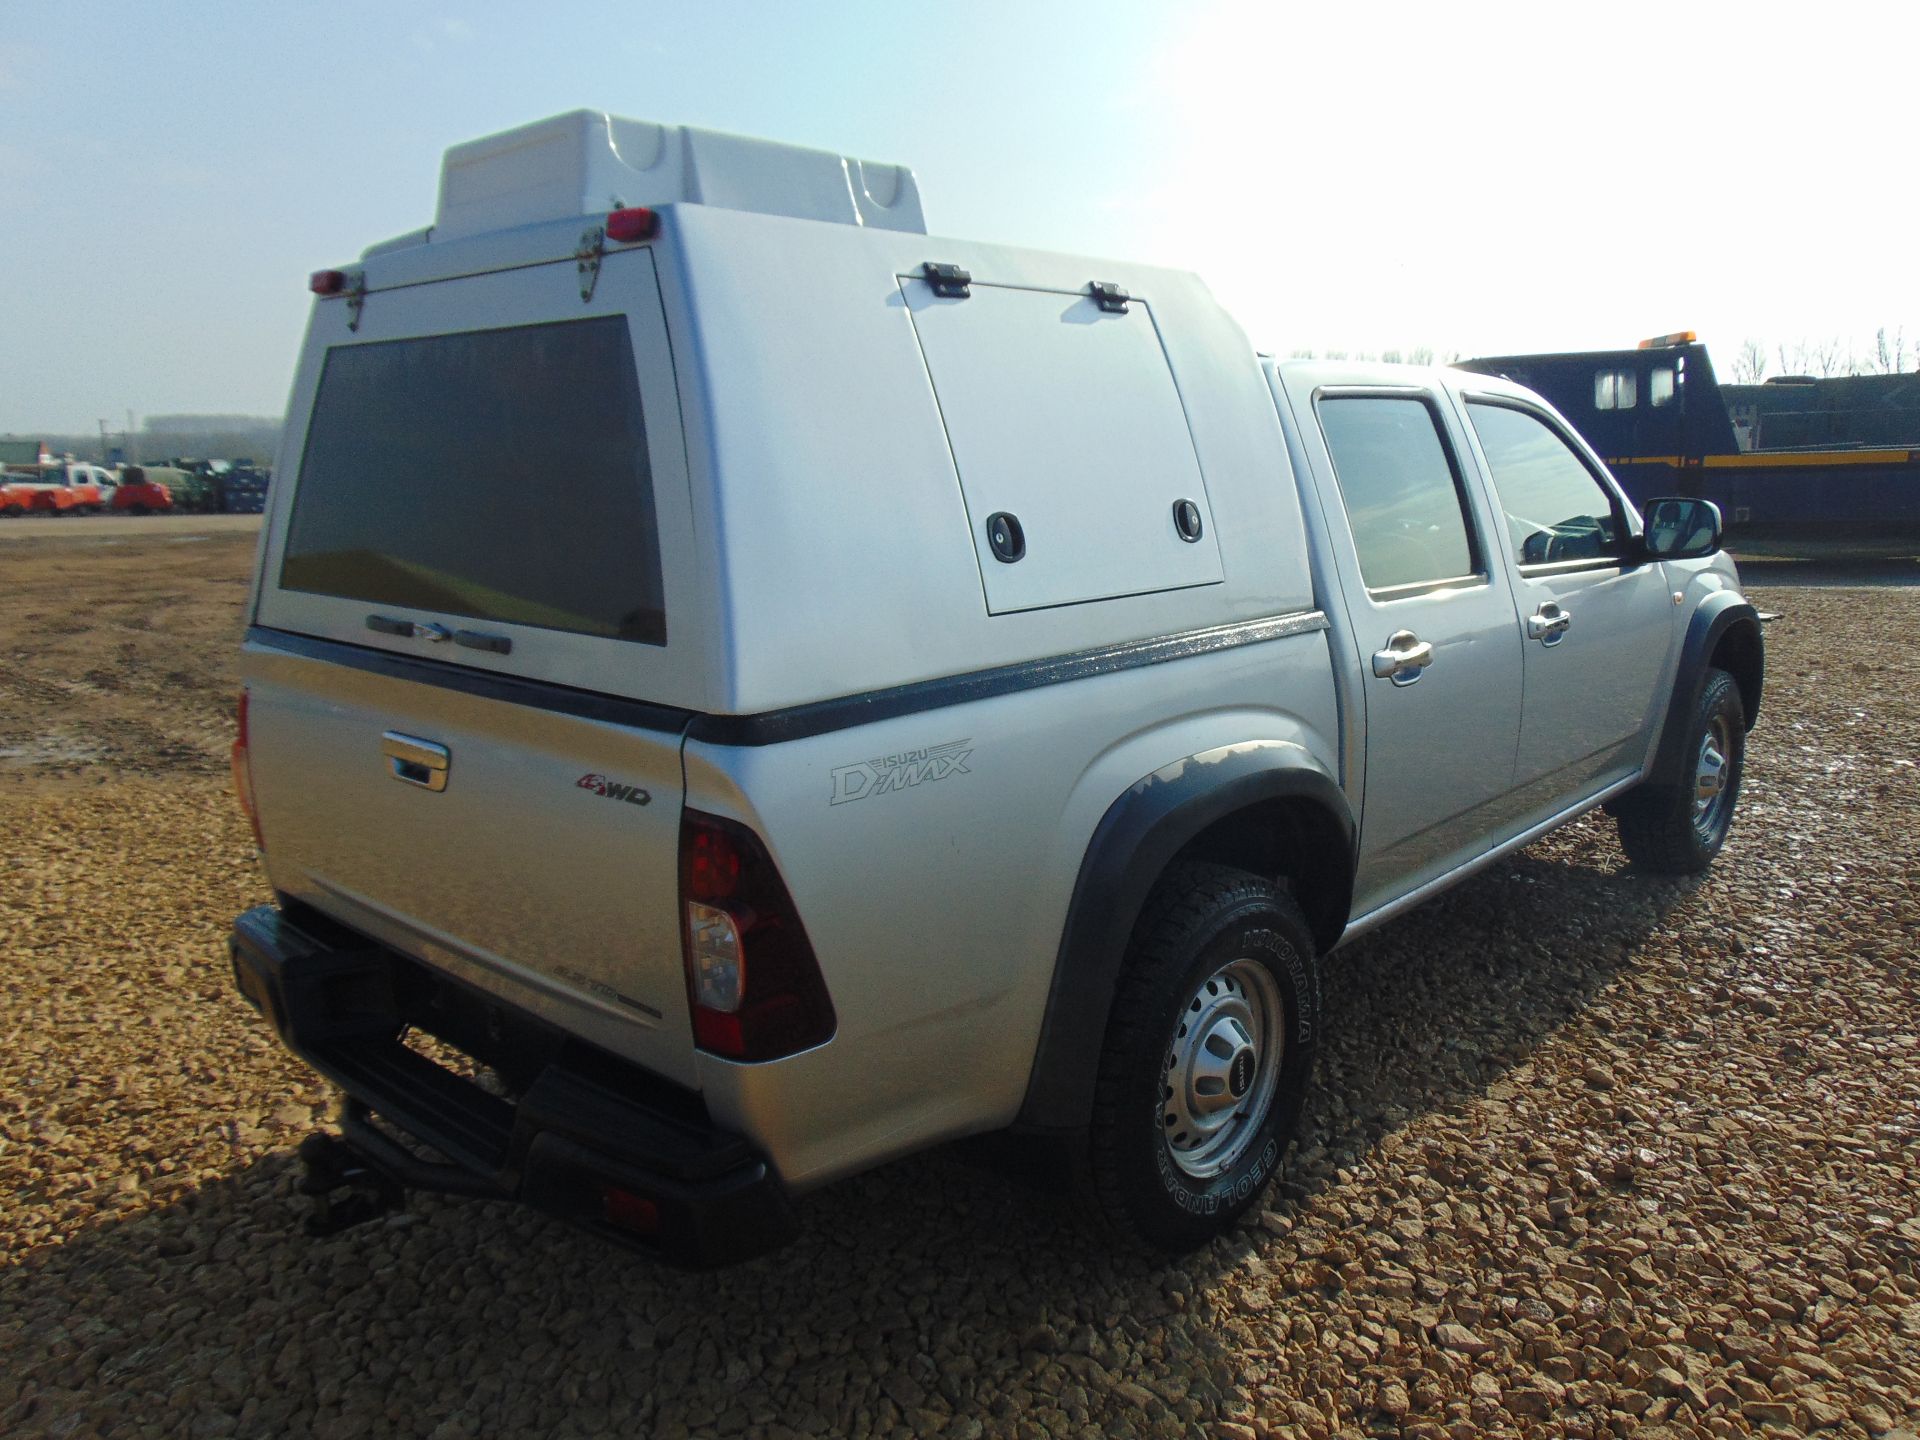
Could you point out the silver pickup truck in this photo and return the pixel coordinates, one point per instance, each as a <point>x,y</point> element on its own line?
<point>737,690</point>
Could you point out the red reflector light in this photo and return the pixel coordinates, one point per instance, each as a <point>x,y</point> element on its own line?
<point>327,282</point>
<point>242,761</point>
<point>629,1211</point>
<point>634,223</point>
<point>753,984</point>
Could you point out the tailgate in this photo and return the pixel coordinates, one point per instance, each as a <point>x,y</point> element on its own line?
<point>543,868</point>
<point>479,637</point>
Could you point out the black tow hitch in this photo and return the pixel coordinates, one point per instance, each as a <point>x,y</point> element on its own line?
<point>346,1189</point>
<point>362,1174</point>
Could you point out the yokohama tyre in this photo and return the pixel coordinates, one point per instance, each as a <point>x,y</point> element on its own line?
<point>1207,1058</point>
<point>1678,829</point>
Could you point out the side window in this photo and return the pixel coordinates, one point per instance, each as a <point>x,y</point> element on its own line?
<point>1555,507</point>
<point>1401,489</point>
<point>1615,390</point>
<point>1660,386</point>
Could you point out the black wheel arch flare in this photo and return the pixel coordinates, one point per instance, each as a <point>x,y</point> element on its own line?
<point>1722,621</point>
<point>1139,836</point>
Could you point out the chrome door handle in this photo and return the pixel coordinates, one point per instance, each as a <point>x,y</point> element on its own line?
<point>1549,624</point>
<point>1404,658</point>
<point>415,761</point>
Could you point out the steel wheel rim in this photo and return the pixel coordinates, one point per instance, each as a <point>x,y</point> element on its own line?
<point>1712,773</point>
<point>1222,1068</point>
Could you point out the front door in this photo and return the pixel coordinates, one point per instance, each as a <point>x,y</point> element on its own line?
<point>1597,622</point>
<point>1431,615</point>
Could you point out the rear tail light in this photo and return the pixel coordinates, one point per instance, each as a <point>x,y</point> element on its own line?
<point>243,774</point>
<point>327,282</point>
<point>752,980</point>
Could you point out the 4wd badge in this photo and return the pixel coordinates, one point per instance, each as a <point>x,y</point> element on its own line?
<point>898,772</point>
<point>613,790</point>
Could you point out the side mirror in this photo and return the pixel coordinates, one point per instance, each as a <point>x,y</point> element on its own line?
<point>1681,529</point>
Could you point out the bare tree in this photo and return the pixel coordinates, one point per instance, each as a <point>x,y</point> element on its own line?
<point>1750,365</point>
<point>1420,355</point>
<point>1812,357</point>
<point>1889,356</point>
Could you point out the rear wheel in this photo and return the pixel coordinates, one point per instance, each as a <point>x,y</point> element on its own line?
<point>1678,829</point>
<point>1207,1057</point>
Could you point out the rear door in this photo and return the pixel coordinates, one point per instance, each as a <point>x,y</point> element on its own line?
<point>1597,623</point>
<point>1432,618</point>
<point>465,697</point>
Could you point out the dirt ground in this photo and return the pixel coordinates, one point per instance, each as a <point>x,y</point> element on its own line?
<point>1594,1153</point>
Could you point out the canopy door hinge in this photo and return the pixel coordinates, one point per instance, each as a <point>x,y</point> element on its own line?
<point>1108,296</point>
<point>356,298</point>
<point>593,244</point>
<point>950,282</point>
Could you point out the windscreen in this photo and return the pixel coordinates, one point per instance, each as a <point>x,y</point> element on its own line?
<point>500,475</point>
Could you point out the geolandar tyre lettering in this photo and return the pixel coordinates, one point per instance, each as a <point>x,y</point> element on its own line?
<point>1206,1059</point>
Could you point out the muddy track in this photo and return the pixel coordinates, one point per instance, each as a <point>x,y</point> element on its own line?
<point>119,658</point>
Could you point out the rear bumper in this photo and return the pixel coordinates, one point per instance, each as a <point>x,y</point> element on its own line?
<point>587,1137</point>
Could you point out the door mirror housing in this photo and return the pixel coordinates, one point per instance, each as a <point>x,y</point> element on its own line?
<point>1678,528</point>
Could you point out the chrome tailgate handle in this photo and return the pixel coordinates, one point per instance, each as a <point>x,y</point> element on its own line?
<point>1549,624</point>
<point>1404,658</point>
<point>416,761</point>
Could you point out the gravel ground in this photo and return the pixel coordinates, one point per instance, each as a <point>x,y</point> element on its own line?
<point>1596,1154</point>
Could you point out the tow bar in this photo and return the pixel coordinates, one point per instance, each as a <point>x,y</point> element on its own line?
<point>346,1189</point>
<point>361,1175</point>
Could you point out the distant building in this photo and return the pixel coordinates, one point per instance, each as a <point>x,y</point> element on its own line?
<point>22,452</point>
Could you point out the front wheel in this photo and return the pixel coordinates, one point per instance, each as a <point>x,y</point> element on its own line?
<point>1207,1057</point>
<point>1678,829</point>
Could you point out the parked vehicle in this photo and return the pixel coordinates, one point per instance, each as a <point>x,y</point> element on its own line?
<point>145,490</point>
<point>245,490</point>
<point>196,486</point>
<point>985,696</point>
<point>62,487</point>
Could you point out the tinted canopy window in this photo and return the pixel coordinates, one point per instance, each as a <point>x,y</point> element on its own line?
<point>1556,510</point>
<point>499,474</point>
<point>1402,496</point>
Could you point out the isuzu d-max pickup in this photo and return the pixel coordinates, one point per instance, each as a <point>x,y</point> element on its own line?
<point>738,689</point>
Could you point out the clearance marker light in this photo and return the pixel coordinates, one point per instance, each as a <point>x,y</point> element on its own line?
<point>634,223</point>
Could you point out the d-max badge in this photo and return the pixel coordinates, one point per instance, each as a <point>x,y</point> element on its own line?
<point>899,772</point>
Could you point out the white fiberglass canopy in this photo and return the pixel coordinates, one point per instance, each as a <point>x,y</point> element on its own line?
<point>588,162</point>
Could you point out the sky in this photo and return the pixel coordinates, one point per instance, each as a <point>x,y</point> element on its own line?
<point>1480,179</point>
